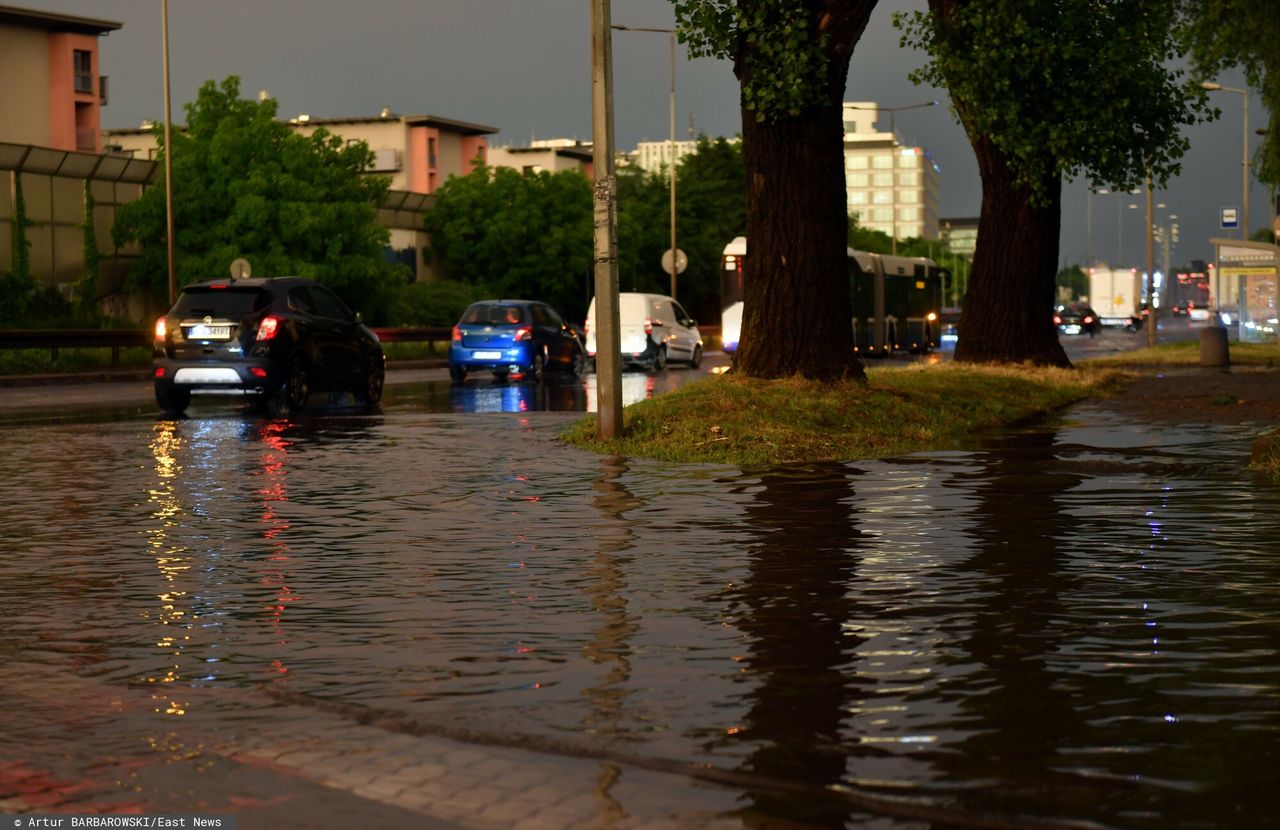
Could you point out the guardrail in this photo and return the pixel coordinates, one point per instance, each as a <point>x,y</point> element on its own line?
<point>116,339</point>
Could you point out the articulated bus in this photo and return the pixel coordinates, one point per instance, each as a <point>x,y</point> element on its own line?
<point>896,300</point>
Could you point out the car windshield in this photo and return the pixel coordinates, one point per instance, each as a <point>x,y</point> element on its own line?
<point>493,314</point>
<point>228,303</point>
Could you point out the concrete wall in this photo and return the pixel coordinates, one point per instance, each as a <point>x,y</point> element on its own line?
<point>24,86</point>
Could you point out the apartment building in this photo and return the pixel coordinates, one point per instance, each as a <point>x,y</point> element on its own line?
<point>891,187</point>
<point>654,156</point>
<point>51,98</point>
<point>51,91</point>
<point>551,155</point>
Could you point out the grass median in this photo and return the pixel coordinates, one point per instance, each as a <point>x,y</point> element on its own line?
<point>1187,353</point>
<point>748,421</point>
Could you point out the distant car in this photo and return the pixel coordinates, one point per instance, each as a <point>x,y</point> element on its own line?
<point>272,341</point>
<point>653,329</point>
<point>1198,314</point>
<point>1077,318</point>
<point>730,328</point>
<point>524,338</point>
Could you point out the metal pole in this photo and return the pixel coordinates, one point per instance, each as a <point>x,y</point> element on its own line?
<point>168,156</point>
<point>1151,257</point>
<point>1245,206</point>
<point>608,338</point>
<point>673,164</point>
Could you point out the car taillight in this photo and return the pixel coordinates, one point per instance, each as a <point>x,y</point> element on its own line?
<point>457,333</point>
<point>162,328</point>
<point>522,333</point>
<point>159,371</point>
<point>648,326</point>
<point>268,328</point>
<point>1057,321</point>
<point>1088,320</point>
<point>931,316</point>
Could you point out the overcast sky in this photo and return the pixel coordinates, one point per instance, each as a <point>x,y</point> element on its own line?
<point>523,66</point>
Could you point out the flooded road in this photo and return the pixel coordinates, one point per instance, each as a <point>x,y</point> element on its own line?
<point>1076,622</point>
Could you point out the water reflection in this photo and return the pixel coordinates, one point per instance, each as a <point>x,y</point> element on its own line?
<point>173,561</point>
<point>796,606</point>
<point>518,397</point>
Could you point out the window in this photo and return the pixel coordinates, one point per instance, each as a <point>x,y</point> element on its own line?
<point>909,160</point>
<point>83,69</point>
<point>855,179</point>
<point>909,214</point>
<point>857,197</point>
<point>857,162</point>
<point>908,197</point>
<point>908,179</point>
<point>431,152</point>
<point>882,162</point>
<point>882,197</point>
<point>882,180</point>
<point>328,304</point>
<point>882,214</point>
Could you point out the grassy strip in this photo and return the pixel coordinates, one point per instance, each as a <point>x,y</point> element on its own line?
<point>1188,354</point>
<point>1265,455</point>
<point>86,359</point>
<point>749,422</point>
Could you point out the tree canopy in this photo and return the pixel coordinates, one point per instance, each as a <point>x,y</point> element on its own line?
<point>524,235</point>
<point>247,185</point>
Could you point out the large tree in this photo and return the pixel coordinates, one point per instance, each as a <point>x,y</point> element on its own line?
<point>247,185</point>
<point>1047,89</point>
<point>791,58</point>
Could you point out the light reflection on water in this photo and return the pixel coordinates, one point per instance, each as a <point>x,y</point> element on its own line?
<point>1075,622</point>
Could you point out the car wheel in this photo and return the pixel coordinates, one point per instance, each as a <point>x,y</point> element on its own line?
<point>373,379</point>
<point>172,400</point>
<point>538,369</point>
<point>660,359</point>
<point>291,397</point>
<point>696,361</point>
<point>458,373</point>
<point>579,365</point>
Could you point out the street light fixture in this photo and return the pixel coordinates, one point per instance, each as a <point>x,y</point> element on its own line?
<point>672,145</point>
<point>1213,86</point>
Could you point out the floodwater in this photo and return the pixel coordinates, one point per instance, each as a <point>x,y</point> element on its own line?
<point>1076,622</point>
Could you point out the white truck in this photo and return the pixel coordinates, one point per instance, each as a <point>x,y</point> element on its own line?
<point>1115,295</point>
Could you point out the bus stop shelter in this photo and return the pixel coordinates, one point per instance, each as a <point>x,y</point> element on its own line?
<point>1245,287</point>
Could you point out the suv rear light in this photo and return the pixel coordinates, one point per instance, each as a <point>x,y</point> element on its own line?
<point>268,328</point>
<point>457,333</point>
<point>162,328</point>
<point>1057,321</point>
<point>648,326</point>
<point>522,333</point>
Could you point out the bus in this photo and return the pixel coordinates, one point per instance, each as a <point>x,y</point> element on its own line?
<point>896,300</point>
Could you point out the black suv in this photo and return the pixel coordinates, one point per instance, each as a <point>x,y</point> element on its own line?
<point>270,340</point>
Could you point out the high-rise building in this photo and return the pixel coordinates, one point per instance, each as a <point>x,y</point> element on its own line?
<point>891,187</point>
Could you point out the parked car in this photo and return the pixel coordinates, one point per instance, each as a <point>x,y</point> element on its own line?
<point>654,330</point>
<point>1077,318</point>
<point>273,341</point>
<point>524,338</point>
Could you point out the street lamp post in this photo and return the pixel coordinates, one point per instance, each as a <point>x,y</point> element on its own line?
<point>168,157</point>
<point>1244,94</point>
<point>672,140</point>
<point>605,192</point>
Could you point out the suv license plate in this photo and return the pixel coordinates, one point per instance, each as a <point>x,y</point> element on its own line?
<point>203,332</point>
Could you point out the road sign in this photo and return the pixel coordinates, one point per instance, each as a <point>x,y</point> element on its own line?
<point>1230,218</point>
<point>240,269</point>
<point>682,261</point>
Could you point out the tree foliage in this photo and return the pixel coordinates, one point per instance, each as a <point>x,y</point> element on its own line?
<point>1220,34</point>
<point>1063,88</point>
<point>526,235</point>
<point>247,185</point>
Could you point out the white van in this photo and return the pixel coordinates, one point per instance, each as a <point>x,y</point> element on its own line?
<point>654,330</point>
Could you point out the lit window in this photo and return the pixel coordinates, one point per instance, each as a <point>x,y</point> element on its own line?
<point>882,197</point>
<point>884,161</point>
<point>857,197</point>
<point>857,162</point>
<point>882,214</point>
<point>882,180</point>
<point>855,179</point>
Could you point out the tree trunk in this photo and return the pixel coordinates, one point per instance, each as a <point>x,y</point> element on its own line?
<point>797,314</point>
<point>1008,307</point>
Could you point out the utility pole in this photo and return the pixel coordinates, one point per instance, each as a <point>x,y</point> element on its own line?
<point>605,189</point>
<point>168,158</point>
<point>1151,264</point>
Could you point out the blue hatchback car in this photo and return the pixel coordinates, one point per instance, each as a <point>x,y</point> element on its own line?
<point>522,338</point>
